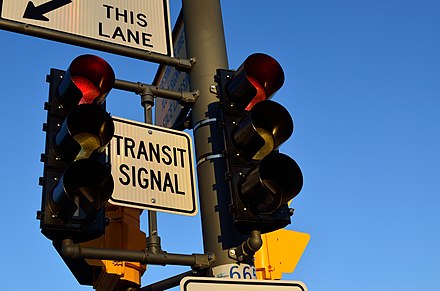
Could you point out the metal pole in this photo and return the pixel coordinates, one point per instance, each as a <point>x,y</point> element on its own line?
<point>205,42</point>
<point>153,239</point>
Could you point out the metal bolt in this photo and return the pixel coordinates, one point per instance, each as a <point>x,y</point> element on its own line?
<point>232,252</point>
<point>150,131</point>
<point>291,211</point>
<point>153,200</point>
<point>213,89</point>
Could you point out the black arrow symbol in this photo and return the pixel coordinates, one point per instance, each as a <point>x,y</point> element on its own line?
<point>36,12</point>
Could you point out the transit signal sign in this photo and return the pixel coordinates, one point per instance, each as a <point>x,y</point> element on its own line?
<point>153,168</point>
<point>142,25</point>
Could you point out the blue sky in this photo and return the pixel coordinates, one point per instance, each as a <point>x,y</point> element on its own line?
<point>362,85</point>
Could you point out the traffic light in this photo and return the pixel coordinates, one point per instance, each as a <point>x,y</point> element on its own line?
<point>261,179</point>
<point>77,180</point>
<point>123,232</point>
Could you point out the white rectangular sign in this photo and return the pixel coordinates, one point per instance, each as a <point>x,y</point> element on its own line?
<point>152,168</point>
<point>221,284</point>
<point>142,25</point>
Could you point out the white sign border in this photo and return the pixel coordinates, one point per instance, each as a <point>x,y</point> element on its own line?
<point>219,282</point>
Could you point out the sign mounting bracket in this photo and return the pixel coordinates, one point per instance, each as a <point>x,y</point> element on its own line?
<point>28,29</point>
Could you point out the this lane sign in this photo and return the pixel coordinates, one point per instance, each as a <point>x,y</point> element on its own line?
<point>142,25</point>
<point>152,168</point>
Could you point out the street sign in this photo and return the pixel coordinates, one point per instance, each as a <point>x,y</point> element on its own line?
<point>152,168</point>
<point>282,248</point>
<point>142,25</point>
<point>221,284</point>
<point>168,112</point>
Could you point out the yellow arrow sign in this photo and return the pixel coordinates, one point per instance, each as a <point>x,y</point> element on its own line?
<point>280,253</point>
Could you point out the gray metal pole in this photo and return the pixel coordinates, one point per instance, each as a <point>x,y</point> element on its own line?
<point>205,42</point>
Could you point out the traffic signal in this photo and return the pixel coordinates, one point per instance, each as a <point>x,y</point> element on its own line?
<point>77,180</point>
<point>261,179</point>
<point>123,232</point>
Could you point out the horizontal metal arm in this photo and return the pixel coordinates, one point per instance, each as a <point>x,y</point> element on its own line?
<point>76,251</point>
<point>141,88</point>
<point>178,63</point>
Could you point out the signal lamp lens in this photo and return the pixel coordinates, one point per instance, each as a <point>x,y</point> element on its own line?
<point>275,181</point>
<point>257,79</point>
<point>85,187</point>
<point>259,96</point>
<point>87,80</point>
<point>263,130</point>
<point>88,89</point>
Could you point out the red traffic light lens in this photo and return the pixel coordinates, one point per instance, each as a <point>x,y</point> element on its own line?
<point>257,79</point>
<point>88,89</point>
<point>259,96</point>
<point>88,80</point>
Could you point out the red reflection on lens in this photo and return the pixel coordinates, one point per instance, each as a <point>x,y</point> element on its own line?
<point>88,89</point>
<point>261,93</point>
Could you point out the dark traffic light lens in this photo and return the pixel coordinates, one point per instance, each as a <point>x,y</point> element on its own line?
<point>85,187</point>
<point>275,181</point>
<point>263,130</point>
<point>87,129</point>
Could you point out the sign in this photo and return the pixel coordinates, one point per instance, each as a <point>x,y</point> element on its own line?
<point>282,248</point>
<point>142,25</point>
<point>217,284</point>
<point>167,112</point>
<point>235,271</point>
<point>152,168</point>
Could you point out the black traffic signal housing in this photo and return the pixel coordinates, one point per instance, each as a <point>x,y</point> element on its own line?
<point>261,180</point>
<point>77,181</point>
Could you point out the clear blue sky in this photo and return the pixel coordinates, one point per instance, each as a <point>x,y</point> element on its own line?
<point>363,86</point>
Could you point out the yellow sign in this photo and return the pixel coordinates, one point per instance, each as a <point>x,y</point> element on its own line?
<point>280,253</point>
